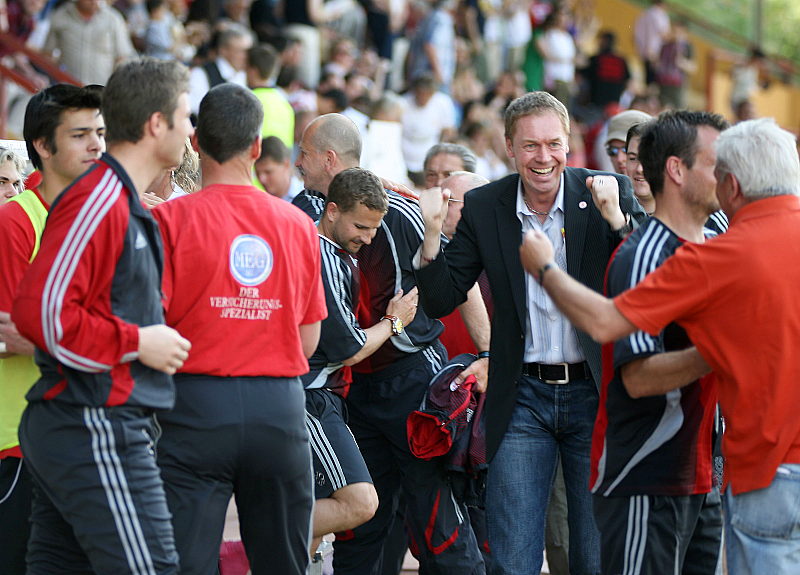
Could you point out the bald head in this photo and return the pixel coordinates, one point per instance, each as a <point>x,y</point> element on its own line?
<point>330,144</point>
<point>338,133</point>
<point>459,183</point>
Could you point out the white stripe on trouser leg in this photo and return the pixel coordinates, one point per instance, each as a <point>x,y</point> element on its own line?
<point>13,483</point>
<point>115,485</point>
<point>325,452</point>
<point>636,534</point>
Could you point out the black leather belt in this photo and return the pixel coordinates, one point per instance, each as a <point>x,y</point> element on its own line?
<point>558,373</point>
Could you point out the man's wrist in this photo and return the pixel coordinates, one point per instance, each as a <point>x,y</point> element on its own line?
<point>544,269</point>
<point>430,249</point>
<point>625,228</point>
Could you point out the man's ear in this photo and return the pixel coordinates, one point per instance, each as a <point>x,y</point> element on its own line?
<point>155,124</point>
<point>674,169</point>
<point>40,145</point>
<point>737,196</point>
<point>255,149</point>
<point>330,159</point>
<point>331,211</point>
<point>509,149</point>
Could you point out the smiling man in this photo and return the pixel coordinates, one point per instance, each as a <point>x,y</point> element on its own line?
<point>718,292</point>
<point>543,374</point>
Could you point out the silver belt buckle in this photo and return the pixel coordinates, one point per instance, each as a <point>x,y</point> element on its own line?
<point>557,381</point>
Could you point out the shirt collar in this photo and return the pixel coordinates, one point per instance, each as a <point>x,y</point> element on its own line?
<point>766,206</point>
<point>225,69</point>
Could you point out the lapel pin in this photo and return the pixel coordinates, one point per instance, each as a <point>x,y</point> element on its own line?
<point>582,205</point>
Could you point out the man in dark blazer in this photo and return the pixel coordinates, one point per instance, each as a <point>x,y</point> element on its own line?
<point>543,374</point>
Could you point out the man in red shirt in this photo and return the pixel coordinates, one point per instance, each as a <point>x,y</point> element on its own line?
<point>91,304</point>
<point>242,280</point>
<point>65,134</point>
<point>735,296</point>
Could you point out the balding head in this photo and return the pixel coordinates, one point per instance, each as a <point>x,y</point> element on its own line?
<point>459,183</point>
<point>330,144</point>
<point>338,133</point>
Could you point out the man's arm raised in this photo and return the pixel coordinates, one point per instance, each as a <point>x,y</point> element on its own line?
<point>586,309</point>
<point>433,207</point>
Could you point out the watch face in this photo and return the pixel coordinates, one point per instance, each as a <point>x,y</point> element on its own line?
<point>397,326</point>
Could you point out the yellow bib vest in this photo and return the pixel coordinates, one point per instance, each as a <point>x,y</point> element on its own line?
<point>19,372</point>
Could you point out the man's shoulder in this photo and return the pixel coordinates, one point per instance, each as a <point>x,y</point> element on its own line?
<point>646,247</point>
<point>12,214</point>
<point>403,209</point>
<point>110,14</point>
<point>101,176</point>
<point>286,210</point>
<point>489,192</point>
<point>586,172</point>
<point>64,12</point>
<point>310,203</point>
<point>271,95</point>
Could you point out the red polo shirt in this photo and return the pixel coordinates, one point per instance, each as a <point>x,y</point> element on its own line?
<point>737,297</point>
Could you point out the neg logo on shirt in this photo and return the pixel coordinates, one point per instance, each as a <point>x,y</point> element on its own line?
<point>250,260</point>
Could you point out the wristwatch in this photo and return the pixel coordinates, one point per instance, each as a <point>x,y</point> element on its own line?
<point>623,232</point>
<point>397,324</point>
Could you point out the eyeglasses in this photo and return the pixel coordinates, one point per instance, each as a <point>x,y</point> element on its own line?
<point>455,200</point>
<point>17,185</point>
<point>614,150</point>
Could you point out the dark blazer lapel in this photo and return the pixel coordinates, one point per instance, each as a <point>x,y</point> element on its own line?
<point>509,231</point>
<point>575,219</point>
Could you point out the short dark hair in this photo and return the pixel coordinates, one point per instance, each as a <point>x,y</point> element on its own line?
<point>672,133</point>
<point>262,58</point>
<point>273,148</point>
<point>44,114</point>
<point>228,122</point>
<point>337,96</point>
<point>153,5</point>
<point>424,81</point>
<point>355,186</point>
<point>138,89</point>
<point>634,132</point>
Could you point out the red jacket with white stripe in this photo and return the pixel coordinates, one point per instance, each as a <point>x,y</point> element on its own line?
<point>97,278</point>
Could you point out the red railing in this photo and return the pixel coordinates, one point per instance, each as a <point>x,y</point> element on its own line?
<point>12,45</point>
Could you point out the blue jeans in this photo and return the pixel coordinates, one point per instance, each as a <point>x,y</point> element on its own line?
<point>762,527</point>
<point>548,420</point>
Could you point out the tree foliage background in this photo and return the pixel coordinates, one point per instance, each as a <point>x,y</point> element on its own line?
<point>780,22</point>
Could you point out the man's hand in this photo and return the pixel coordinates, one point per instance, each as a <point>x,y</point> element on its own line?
<point>401,189</point>
<point>162,348</point>
<point>480,369</point>
<point>535,251</point>
<point>605,192</point>
<point>433,206</point>
<point>15,343</point>
<point>404,306</point>
<point>150,200</point>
